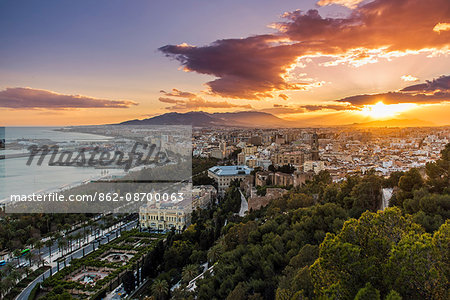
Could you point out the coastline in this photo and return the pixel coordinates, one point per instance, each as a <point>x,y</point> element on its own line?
<point>120,173</point>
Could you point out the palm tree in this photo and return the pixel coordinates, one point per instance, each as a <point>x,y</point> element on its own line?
<point>22,272</point>
<point>215,253</point>
<point>88,233</point>
<point>84,230</point>
<point>61,245</point>
<point>8,269</point>
<point>8,284</point>
<point>66,227</point>
<point>91,224</point>
<point>189,272</point>
<point>56,235</point>
<point>27,270</point>
<point>78,237</point>
<point>16,254</point>
<point>15,276</point>
<point>102,228</point>
<point>39,244</point>
<point>160,289</point>
<point>49,244</point>
<point>31,258</point>
<point>46,219</point>
<point>69,242</point>
<point>2,288</point>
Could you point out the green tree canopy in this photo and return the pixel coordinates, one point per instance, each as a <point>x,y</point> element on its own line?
<point>388,251</point>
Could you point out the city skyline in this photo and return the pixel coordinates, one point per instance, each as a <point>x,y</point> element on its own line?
<point>326,62</point>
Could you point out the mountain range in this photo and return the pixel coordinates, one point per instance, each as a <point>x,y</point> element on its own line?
<point>227,119</point>
<point>256,119</point>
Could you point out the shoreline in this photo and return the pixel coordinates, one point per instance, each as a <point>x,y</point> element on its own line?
<point>65,187</point>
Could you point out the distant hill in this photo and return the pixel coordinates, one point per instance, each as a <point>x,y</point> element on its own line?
<point>261,120</point>
<point>203,119</point>
<point>395,123</point>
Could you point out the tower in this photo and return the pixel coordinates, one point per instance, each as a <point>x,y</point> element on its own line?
<point>315,147</point>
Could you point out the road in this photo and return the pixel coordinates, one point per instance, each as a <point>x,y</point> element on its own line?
<point>386,194</point>
<point>244,205</point>
<point>117,294</point>
<point>76,254</point>
<point>45,251</point>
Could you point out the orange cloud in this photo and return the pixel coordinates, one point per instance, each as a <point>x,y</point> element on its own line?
<point>256,67</point>
<point>191,101</point>
<point>178,93</point>
<point>195,104</point>
<point>409,78</point>
<point>348,3</point>
<point>430,92</point>
<point>283,96</point>
<point>170,100</point>
<point>28,98</point>
<point>441,27</point>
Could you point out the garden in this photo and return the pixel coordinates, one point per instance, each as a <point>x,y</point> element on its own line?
<point>94,274</point>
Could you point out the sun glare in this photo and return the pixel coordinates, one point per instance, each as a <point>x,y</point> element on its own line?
<point>381,110</point>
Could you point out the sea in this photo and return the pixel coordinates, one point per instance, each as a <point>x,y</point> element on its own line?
<point>17,178</point>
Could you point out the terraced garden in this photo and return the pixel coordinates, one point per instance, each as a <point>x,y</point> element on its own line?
<point>100,271</point>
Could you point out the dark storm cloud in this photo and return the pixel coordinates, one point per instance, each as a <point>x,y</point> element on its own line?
<point>328,107</point>
<point>295,109</point>
<point>433,91</point>
<point>246,68</point>
<point>441,83</point>
<point>396,97</point>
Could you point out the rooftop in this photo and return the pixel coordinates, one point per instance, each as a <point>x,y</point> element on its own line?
<point>230,170</point>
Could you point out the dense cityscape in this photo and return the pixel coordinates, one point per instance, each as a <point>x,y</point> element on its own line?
<point>245,182</point>
<point>225,150</point>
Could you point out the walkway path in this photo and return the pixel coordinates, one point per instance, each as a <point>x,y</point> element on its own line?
<point>244,205</point>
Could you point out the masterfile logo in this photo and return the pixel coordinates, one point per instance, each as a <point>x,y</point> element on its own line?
<point>116,171</point>
<point>140,154</point>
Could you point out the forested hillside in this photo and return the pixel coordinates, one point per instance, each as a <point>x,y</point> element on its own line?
<point>324,240</point>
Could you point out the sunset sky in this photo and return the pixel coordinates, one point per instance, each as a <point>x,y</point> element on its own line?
<point>324,62</point>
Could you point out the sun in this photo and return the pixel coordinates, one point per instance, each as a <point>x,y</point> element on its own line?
<point>382,111</point>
